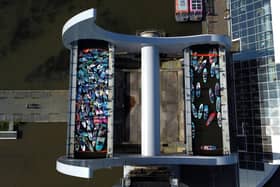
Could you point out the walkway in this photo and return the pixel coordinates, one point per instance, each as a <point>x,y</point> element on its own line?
<point>48,105</point>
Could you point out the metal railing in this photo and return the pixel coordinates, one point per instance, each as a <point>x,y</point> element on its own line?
<point>8,135</point>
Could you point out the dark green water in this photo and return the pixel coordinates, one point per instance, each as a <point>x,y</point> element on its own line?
<point>30,161</point>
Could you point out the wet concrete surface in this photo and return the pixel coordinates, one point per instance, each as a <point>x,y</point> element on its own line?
<point>31,160</point>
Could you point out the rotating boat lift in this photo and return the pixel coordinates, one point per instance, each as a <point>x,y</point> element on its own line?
<point>83,27</point>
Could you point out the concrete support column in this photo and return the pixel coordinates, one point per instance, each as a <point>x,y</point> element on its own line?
<point>150,101</point>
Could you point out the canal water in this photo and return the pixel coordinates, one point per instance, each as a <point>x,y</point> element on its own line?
<point>31,160</point>
<point>128,16</point>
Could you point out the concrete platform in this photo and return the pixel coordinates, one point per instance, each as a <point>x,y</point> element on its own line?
<point>52,105</point>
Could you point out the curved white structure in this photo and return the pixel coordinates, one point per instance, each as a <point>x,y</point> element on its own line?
<point>82,26</point>
<point>86,168</point>
<point>73,170</point>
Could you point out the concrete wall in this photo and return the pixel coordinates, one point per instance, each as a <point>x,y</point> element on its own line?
<point>53,105</point>
<point>127,124</point>
<point>216,23</point>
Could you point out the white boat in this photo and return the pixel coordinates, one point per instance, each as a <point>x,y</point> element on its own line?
<point>181,10</point>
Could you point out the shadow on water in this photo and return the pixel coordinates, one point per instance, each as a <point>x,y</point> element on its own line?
<point>53,69</point>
